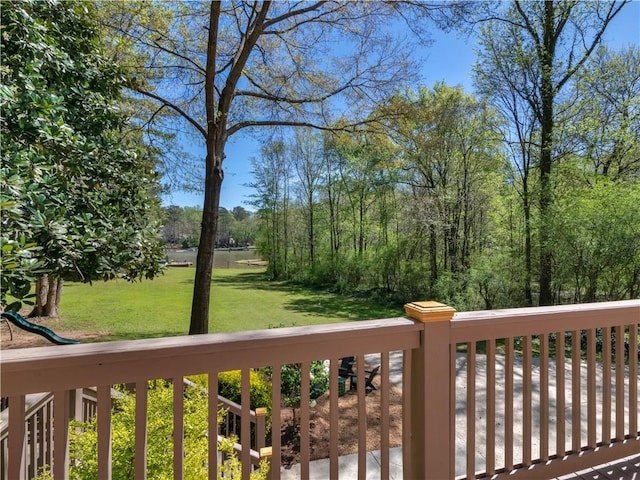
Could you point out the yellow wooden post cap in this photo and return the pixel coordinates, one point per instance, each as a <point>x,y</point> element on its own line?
<point>266,452</point>
<point>429,311</point>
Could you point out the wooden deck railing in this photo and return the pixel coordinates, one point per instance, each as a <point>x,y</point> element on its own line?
<point>498,392</point>
<point>545,391</point>
<point>39,427</point>
<point>83,407</point>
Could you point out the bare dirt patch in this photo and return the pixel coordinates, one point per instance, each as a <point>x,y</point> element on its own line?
<point>18,338</point>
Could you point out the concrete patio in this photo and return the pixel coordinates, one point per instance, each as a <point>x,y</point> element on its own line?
<point>627,469</point>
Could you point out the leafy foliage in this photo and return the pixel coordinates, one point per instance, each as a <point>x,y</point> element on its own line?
<point>19,266</point>
<point>81,191</point>
<point>291,381</point>
<point>83,439</point>
<point>230,386</point>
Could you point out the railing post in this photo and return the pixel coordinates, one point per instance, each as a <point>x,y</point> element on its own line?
<point>431,403</point>
<point>261,427</point>
<point>266,453</point>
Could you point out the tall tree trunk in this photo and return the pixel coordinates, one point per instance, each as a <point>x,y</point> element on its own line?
<point>285,229</point>
<point>361,228</point>
<point>433,253</point>
<point>312,240</point>
<point>215,141</point>
<point>546,188</point>
<point>204,261</point>
<point>527,241</point>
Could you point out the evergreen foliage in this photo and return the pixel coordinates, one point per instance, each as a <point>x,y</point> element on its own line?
<point>77,189</point>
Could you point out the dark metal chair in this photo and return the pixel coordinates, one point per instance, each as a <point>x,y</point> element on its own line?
<point>369,386</point>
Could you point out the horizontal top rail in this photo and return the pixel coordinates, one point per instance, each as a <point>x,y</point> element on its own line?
<point>138,360</point>
<point>513,322</point>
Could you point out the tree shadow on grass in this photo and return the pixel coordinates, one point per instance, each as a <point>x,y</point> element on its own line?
<point>139,336</point>
<point>315,301</point>
<point>338,306</point>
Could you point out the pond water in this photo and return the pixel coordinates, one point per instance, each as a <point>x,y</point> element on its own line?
<point>222,258</point>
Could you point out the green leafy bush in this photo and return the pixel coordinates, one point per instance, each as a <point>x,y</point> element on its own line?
<point>291,380</point>
<point>230,387</point>
<point>83,439</point>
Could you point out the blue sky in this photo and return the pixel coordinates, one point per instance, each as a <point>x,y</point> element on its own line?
<point>449,59</point>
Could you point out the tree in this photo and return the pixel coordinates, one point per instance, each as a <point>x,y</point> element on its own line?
<point>272,185</point>
<point>449,149</point>
<point>544,45</point>
<point>306,153</point>
<point>605,131</point>
<point>597,228</point>
<point>87,194</point>
<point>497,82</point>
<point>595,223</point>
<point>264,64</point>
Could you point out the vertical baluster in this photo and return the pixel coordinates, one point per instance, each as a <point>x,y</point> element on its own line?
<point>576,417</point>
<point>17,440</point>
<point>61,434</point>
<point>42,436</point>
<point>560,395</point>
<point>212,427</point>
<point>141,431</point>
<point>305,382</point>
<point>104,432</point>
<point>527,387</point>
<point>452,407</point>
<point>32,444</point>
<point>261,429</point>
<point>619,383</point>
<point>606,385</point>
<point>591,388</point>
<point>49,434</point>
<point>633,379</point>
<point>508,404</point>
<point>333,418</point>
<point>491,406</point>
<point>276,428</point>
<point>178,428</point>
<point>407,413</point>
<point>471,410</point>
<point>544,397</point>
<point>245,423</point>
<point>362,419</point>
<point>4,454</point>
<point>384,414</point>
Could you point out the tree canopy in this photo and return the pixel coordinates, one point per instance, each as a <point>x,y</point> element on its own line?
<point>236,66</point>
<point>535,49</point>
<point>80,191</point>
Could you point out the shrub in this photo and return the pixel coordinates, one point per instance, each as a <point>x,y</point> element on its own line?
<point>230,387</point>
<point>83,439</point>
<point>291,379</point>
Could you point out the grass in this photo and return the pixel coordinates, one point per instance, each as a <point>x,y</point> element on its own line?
<point>240,300</point>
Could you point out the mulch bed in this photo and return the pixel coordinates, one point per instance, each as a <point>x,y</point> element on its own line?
<point>319,428</point>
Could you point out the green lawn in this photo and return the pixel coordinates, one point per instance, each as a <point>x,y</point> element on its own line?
<point>241,300</point>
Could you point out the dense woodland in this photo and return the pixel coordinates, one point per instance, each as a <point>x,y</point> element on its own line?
<point>524,192</point>
<point>444,203</point>
<point>441,203</point>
